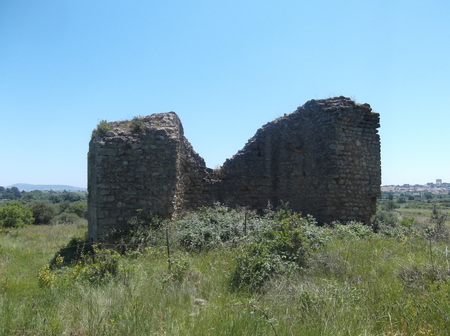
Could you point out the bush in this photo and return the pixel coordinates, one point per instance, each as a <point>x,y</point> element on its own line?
<point>137,125</point>
<point>97,267</point>
<point>67,218</point>
<point>74,251</point>
<point>282,249</point>
<point>79,208</point>
<point>317,236</point>
<point>255,265</point>
<point>179,265</point>
<point>101,129</point>
<point>212,227</point>
<point>14,214</point>
<point>385,218</point>
<point>138,235</point>
<point>43,211</point>
<point>390,205</point>
<point>352,229</point>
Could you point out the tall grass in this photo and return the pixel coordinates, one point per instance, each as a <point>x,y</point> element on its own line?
<point>356,282</point>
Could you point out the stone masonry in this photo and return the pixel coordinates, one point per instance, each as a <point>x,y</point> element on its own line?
<point>323,159</point>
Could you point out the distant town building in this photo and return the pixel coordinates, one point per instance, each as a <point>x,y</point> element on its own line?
<point>438,182</point>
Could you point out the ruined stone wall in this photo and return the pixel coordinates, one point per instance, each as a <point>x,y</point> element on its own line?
<point>324,159</point>
<point>136,169</point>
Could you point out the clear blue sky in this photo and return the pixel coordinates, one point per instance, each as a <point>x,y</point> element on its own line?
<point>226,68</point>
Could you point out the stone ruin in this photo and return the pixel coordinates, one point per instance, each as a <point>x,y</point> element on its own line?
<point>323,159</point>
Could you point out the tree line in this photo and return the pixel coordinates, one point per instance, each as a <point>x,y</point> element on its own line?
<point>21,208</point>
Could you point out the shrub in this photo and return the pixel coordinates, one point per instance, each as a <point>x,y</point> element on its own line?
<point>43,211</point>
<point>79,208</point>
<point>282,249</point>
<point>438,218</point>
<point>138,235</point>
<point>317,236</point>
<point>422,277</point>
<point>67,218</point>
<point>407,222</point>
<point>45,276</point>
<point>289,243</point>
<point>15,214</point>
<point>389,205</point>
<point>98,266</point>
<point>383,218</point>
<point>255,265</point>
<point>137,125</point>
<point>101,129</point>
<point>179,265</point>
<point>352,229</point>
<point>212,227</point>
<point>74,251</point>
<point>64,206</point>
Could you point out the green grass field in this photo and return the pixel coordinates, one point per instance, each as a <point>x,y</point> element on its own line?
<point>395,282</point>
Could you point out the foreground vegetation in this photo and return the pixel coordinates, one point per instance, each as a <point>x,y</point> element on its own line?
<point>227,272</point>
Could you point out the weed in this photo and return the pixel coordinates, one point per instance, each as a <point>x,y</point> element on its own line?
<point>102,127</point>
<point>137,125</point>
<point>70,254</point>
<point>46,277</point>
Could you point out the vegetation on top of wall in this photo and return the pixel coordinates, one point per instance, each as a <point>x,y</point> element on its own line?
<point>137,125</point>
<point>101,129</point>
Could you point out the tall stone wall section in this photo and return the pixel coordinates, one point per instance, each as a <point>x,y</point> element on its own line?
<point>140,168</point>
<point>324,159</point>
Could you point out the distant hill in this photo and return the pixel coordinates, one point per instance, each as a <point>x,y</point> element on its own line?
<point>30,187</point>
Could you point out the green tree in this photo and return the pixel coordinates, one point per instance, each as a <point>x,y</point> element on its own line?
<point>32,196</point>
<point>80,209</point>
<point>56,198</point>
<point>64,207</point>
<point>15,214</point>
<point>16,192</point>
<point>390,205</point>
<point>428,195</point>
<point>7,195</point>
<point>43,211</point>
<point>71,196</point>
